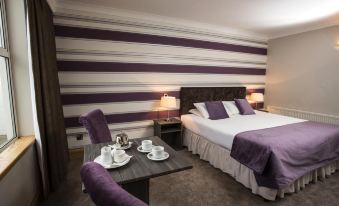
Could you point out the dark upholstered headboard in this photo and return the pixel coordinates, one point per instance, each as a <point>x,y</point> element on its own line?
<point>190,95</point>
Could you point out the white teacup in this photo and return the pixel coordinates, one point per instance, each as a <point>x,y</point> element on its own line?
<point>146,145</point>
<point>119,156</point>
<point>158,152</point>
<point>106,156</point>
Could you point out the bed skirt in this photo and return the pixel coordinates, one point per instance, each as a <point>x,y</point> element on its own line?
<point>220,158</point>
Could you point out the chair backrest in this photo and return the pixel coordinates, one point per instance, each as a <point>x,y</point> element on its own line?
<point>102,188</point>
<point>96,126</point>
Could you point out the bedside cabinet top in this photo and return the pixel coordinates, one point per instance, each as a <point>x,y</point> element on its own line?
<point>164,122</point>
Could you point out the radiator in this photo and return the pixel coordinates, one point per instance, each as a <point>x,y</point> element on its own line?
<point>312,116</point>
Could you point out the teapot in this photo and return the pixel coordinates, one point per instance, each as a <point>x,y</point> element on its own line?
<point>122,139</point>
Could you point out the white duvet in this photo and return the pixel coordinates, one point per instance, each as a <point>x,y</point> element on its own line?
<point>223,131</point>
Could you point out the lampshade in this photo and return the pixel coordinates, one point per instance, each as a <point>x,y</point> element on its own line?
<point>257,97</point>
<point>168,101</point>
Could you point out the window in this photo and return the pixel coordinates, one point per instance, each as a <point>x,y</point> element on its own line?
<point>7,128</point>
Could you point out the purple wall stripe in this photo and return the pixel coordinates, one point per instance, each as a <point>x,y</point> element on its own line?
<point>125,117</point>
<point>69,99</point>
<point>92,98</point>
<point>84,66</point>
<point>87,33</point>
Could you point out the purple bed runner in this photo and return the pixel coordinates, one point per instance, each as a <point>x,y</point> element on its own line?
<point>280,155</point>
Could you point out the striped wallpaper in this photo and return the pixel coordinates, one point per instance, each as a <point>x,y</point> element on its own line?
<point>124,69</point>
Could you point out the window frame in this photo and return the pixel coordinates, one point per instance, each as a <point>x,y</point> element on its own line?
<point>5,52</point>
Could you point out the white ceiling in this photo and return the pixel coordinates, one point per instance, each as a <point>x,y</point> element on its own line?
<point>269,18</point>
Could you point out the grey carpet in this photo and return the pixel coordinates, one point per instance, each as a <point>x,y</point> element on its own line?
<point>203,185</point>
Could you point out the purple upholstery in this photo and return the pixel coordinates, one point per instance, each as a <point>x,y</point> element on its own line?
<point>216,110</point>
<point>102,188</point>
<point>96,126</point>
<point>244,107</point>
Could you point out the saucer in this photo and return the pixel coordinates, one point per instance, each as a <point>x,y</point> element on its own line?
<point>114,164</point>
<point>126,156</point>
<point>151,157</point>
<point>144,151</point>
<point>124,147</point>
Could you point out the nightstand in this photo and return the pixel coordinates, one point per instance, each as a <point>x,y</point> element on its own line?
<point>169,131</point>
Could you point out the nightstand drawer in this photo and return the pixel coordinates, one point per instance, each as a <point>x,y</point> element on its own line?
<point>170,128</point>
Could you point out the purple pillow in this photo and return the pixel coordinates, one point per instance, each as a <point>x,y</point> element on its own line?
<point>244,107</point>
<point>216,110</point>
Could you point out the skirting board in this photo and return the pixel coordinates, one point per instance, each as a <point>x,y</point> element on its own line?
<point>312,116</point>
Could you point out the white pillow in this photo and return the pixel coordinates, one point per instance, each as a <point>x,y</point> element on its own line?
<point>196,112</point>
<point>231,108</point>
<point>201,107</point>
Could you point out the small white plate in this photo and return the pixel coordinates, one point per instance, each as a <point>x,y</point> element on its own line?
<point>144,151</point>
<point>114,146</point>
<point>114,164</point>
<point>151,157</point>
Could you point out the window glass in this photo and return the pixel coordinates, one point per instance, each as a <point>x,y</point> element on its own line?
<point>2,37</point>
<point>7,126</point>
<point>6,121</point>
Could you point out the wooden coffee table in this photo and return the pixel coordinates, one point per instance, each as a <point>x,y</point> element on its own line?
<point>134,177</point>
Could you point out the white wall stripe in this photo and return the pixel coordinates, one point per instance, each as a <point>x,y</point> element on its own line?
<point>115,127</point>
<point>95,13</point>
<point>157,59</point>
<point>114,107</point>
<point>132,133</point>
<point>126,47</point>
<point>92,24</point>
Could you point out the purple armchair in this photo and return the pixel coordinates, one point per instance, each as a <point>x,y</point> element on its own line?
<point>96,126</point>
<point>102,188</point>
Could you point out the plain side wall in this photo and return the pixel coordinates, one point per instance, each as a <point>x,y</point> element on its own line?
<point>303,71</point>
<point>21,184</point>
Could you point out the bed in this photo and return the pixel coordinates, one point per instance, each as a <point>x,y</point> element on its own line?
<point>213,140</point>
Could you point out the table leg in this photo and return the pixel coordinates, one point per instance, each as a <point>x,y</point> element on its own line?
<point>139,189</point>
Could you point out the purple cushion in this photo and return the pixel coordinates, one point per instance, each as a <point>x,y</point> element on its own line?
<point>216,110</point>
<point>244,107</point>
<point>96,126</point>
<point>102,188</point>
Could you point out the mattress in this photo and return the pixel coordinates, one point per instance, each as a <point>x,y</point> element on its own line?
<point>223,131</point>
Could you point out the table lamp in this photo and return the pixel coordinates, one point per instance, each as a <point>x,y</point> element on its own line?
<point>169,103</point>
<point>257,97</point>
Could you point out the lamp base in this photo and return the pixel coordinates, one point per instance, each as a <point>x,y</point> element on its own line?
<point>169,119</point>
